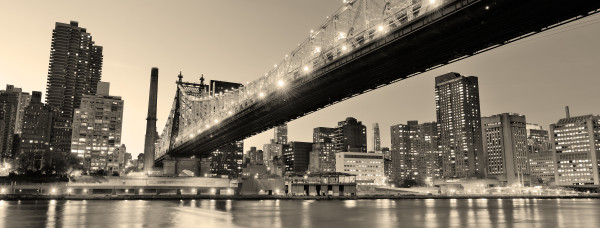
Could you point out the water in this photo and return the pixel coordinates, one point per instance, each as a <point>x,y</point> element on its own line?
<point>307,213</point>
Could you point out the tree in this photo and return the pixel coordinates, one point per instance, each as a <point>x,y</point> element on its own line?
<point>26,161</point>
<point>59,163</point>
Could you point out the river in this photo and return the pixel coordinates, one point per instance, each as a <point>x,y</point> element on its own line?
<point>303,213</point>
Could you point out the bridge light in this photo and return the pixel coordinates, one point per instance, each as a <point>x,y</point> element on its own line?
<point>380,28</point>
<point>3,190</point>
<point>216,121</point>
<point>207,126</point>
<point>311,31</point>
<point>191,135</point>
<point>305,68</point>
<point>261,94</point>
<point>317,49</point>
<point>280,83</point>
<point>431,1</point>
<point>275,65</point>
<point>487,7</point>
<point>344,48</point>
<point>229,113</point>
<point>341,35</point>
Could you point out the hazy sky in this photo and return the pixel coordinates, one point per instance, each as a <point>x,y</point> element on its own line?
<point>240,40</point>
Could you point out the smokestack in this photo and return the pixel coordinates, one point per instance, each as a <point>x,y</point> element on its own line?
<point>151,122</point>
<point>567,111</point>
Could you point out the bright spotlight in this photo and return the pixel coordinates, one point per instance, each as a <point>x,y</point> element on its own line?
<point>280,83</point>
<point>261,94</point>
<point>305,68</point>
<point>380,28</point>
<point>431,1</point>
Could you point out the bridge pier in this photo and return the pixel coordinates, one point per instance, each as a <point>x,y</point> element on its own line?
<point>175,166</point>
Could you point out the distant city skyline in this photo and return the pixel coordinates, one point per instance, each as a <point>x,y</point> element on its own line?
<point>533,77</point>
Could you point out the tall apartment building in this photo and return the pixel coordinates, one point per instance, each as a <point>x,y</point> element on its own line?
<point>576,149</point>
<point>350,135</point>
<point>74,71</point>
<point>12,108</point>
<point>415,153</point>
<point>505,148</point>
<point>322,156</point>
<point>37,126</point>
<point>96,129</point>
<point>459,124</point>
<point>281,134</point>
<point>539,150</point>
<point>376,138</point>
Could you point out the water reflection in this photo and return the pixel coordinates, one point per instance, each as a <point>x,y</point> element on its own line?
<point>310,213</point>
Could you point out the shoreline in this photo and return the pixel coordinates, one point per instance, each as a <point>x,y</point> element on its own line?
<point>14,197</point>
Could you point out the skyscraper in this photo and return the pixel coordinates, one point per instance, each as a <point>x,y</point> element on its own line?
<point>459,124</point>
<point>296,157</point>
<point>575,147</point>
<point>227,160</point>
<point>350,136</point>
<point>37,127</point>
<point>97,128</point>
<point>505,148</point>
<point>376,138</point>
<point>281,133</point>
<point>415,153</point>
<point>12,106</point>
<point>322,156</point>
<point>75,69</point>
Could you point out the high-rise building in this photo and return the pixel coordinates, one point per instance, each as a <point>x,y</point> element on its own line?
<point>256,156</point>
<point>576,149</point>
<point>75,69</point>
<point>12,106</point>
<point>117,161</point>
<point>539,151</point>
<point>97,129</point>
<point>459,125</point>
<point>376,138</point>
<point>505,148</point>
<point>37,126</point>
<point>350,136</point>
<point>281,134</point>
<point>415,153</point>
<point>322,156</point>
<point>227,160</point>
<point>296,157</point>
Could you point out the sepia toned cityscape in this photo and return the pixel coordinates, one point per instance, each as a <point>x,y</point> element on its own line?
<point>386,113</point>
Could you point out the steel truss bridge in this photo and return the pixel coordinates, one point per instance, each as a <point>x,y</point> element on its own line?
<point>364,45</point>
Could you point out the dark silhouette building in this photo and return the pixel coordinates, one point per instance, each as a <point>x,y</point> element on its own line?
<point>350,136</point>
<point>75,69</point>
<point>12,105</point>
<point>37,127</point>
<point>296,157</point>
<point>459,124</point>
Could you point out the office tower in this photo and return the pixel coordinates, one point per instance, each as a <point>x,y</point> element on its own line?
<point>459,124</point>
<point>12,106</point>
<point>227,160</point>
<point>322,156</point>
<point>376,138</point>
<point>541,164</point>
<point>505,149</point>
<point>37,127</point>
<point>296,157</point>
<point>97,128</point>
<point>415,153</point>
<point>281,133</point>
<point>75,69</point>
<point>256,156</point>
<point>575,146</point>
<point>368,167</point>
<point>151,135</point>
<point>350,136</point>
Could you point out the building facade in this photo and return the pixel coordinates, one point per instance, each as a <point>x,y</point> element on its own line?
<point>539,150</point>
<point>376,138</point>
<point>576,148</point>
<point>505,149</point>
<point>415,153</point>
<point>368,167</point>
<point>322,156</point>
<point>74,71</point>
<point>96,131</point>
<point>227,160</point>
<point>459,123</point>
<point>296,157</point>
<point>37,127</point>
<point>350,135</point>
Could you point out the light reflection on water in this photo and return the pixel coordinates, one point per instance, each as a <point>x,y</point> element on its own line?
<point>309,213</point>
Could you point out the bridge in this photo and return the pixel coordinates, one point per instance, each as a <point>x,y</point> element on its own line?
<point>364,45</point>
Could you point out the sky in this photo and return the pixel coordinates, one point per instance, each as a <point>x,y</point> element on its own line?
<point>240,40</point>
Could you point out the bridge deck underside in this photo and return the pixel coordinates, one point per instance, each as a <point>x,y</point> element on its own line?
<point>456,30</point>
